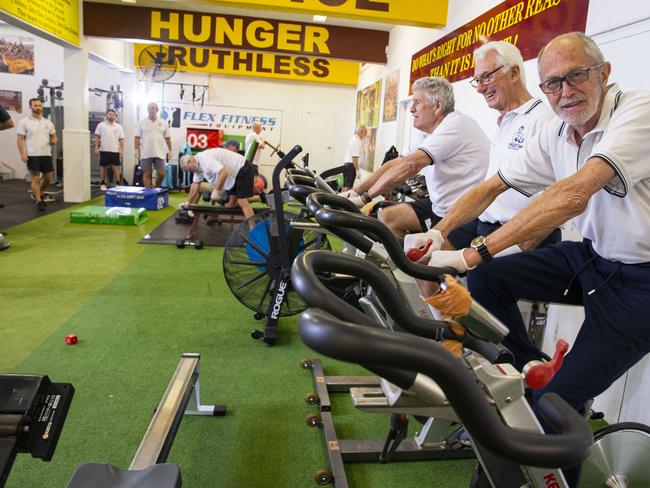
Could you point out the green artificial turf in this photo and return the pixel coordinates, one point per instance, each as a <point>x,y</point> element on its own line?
<point>135,309</point>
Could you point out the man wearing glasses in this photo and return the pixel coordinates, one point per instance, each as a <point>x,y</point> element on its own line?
<point>500,79</point>
<point>594,167</point>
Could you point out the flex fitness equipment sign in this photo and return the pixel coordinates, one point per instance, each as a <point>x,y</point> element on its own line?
<point>528,24</point>
<point>229,32</point>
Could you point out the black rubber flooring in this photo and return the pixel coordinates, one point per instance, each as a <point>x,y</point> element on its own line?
<point>18,206</point>
<point>170,231</point>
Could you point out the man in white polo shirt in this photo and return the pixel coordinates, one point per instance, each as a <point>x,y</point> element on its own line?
<point>227,171</point>
<point>151,136</point>
<point>454,148</point>
<point>355,157</point>
<point>594,167</point>
<point>36,136</point>
<point>109,145</point>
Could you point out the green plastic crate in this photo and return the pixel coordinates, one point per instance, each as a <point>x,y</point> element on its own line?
<point>109,215</point>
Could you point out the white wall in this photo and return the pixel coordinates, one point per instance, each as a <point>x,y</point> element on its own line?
<point>623,33</point>
<point>48,64</point>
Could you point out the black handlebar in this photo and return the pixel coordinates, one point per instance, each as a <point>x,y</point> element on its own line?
<point>304,278</point>
<point>323,200</point>
<point>356,343</point>
<point>372,227</point>
<point>301,192</point>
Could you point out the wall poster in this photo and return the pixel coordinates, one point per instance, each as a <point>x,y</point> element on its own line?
<point>390,96</point>
<point>17,55</point>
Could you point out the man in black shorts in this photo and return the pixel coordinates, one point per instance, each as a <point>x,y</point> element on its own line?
<point>36,136</point>
<point>109,145</point>
<point>227,171</point>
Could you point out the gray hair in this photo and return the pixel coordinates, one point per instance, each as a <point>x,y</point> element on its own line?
<point>361,128</point>
<point>588,45</point>
<point>507,54</point>
<point>182,162</point>
<point>436,88</point>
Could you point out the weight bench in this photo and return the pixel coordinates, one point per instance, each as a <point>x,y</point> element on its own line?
<point>147,470</point>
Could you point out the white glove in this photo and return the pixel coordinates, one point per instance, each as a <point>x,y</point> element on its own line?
<point>420,239</point>
<point>357,201</point>
<point>183,205</point>
<point>349,194</point>
<point>509,250</point>
<point>217,195</point>
<point>450,259</point>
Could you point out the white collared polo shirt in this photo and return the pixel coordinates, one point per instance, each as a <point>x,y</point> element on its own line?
<point>516,128</point>
<point>37,134</point>
<point>213,161</point>
<point>617,218</point>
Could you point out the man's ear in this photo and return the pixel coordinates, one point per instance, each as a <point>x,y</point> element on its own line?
<point>605,71</point>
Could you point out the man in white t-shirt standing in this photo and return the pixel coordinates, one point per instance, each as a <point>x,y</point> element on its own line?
<point>36,136</point>
<point>151,136</point>
<point>230,175</point>
<point>109,145</point>
<point>355,157</point>
<point>254,144</point>
<point>454,148</point>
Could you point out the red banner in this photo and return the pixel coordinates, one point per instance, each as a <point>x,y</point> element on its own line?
<point>528,24</point>
<point>202,139</point>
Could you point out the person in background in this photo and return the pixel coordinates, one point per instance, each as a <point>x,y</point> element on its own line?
<point>109,145</point>
<point>254,144</point>
<point>151,136</point>
<point>230,175</point>
<point>355,157</point>
<point>454,155</point>
<point>36,136</point>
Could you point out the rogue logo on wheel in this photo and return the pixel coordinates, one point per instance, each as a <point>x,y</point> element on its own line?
<point>279,297</point>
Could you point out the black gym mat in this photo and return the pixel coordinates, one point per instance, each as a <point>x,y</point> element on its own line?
<point>170,231</point>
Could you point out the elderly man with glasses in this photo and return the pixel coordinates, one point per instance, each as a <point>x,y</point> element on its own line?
<point>594,167</point>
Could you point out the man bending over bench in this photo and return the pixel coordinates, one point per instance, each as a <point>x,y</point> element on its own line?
<point>229,173</point>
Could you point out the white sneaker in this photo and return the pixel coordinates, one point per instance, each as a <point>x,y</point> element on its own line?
<point>103,187</point>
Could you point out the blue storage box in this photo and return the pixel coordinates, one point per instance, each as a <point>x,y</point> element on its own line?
<point>137,197</point>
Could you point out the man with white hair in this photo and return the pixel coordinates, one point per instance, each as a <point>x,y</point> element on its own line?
<point>227,171</point>
<point>594,167</point>
<point>498,76</point>
<point>455,150</point>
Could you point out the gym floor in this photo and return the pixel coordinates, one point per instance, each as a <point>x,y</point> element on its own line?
<point>135,309</point>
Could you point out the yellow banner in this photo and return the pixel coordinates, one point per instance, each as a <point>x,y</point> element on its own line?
<point>432,13</point>
<point>245,63</point>
<point>58,17</point>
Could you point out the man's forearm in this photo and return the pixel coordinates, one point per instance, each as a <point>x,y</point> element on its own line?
<point>21,146</point>
<point>169,144</point>
<point>194,193</point>
<point>221,180</point>
<point>393,177</point>
<point>366,184</point>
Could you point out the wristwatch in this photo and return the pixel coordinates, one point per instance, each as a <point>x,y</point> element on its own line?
<point>365,197</point>
<point>478,243</point>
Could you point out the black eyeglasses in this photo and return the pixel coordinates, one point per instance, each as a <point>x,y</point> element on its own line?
<point>485,79</point>
<point>573,78</point>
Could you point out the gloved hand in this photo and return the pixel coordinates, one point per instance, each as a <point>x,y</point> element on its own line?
<point>349,194</point>
<point>183,205</point>
<point>420,239</point>
<point>450,259</point>
<point>357,201</point>
<point>217,195</point>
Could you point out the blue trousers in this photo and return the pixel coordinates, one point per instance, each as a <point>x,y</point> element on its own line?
<point>615,334</point>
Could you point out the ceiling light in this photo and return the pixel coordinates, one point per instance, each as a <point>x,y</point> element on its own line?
<point>320,18</point>
<point>129,1</point>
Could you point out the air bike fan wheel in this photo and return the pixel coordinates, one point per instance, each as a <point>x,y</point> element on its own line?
<point>252,262</point>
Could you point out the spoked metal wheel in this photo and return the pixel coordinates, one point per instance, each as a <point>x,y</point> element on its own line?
<point>619,457</point>
<point>252,266</point>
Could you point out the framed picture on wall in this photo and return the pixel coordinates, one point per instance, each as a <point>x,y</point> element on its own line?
<point>368,105</point>
<point>390,96</point>
<point>17,55</point>
<point>12,100</point>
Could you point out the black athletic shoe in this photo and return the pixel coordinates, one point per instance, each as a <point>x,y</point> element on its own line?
<point>40,205</point>
<point>263,198</point>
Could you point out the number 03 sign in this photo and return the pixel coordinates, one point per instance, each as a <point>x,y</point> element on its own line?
<point>201,139</point>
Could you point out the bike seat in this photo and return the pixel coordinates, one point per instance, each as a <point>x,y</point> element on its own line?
<point>100,475</point>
